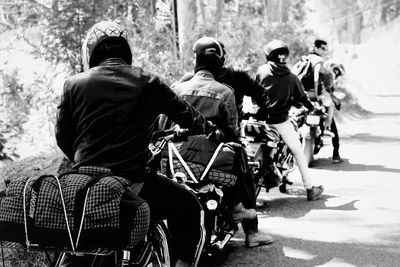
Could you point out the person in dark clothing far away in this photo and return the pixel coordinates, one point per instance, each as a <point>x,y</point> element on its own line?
<point>242,84</point>
<point>336,71</point>
<point>285,90</point>
<point>106,118</point>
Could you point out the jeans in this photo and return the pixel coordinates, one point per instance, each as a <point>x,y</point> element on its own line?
<point>291,138</point>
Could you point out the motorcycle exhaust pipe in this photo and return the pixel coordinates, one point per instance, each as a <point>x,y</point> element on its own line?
<point>220,245</point>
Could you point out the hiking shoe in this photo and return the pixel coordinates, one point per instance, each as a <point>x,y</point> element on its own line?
<point>336,159</point>
<point>239,213</point>
<point>257,239</point>
<point>314,192</point>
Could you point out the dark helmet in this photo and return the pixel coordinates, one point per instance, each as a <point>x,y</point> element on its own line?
<point>339,70</point>
<point>276,51</point>
<point>105,39</point>
<point>209,46</point>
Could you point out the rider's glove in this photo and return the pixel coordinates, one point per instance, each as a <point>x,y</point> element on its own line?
<point>210,128</point>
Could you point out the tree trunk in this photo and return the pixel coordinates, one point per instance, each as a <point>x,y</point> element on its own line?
<point>274,10</point>
<point>209,15</point>
<point>186,15</point>
<point>218,14</point>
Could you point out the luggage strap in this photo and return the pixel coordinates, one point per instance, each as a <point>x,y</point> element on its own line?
<point>172,149</point>
<point>94,178</point>
<point>27,242</point>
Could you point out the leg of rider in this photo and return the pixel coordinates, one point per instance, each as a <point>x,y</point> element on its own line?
<point>245,184</point>
<point>248,189</point>
<point>250,226</point>
<point>328,121</point>
<point>291,138</point>
<point>249,201</point>
<point>169,200</point>
<point>335,139</point>
<point>233,201</point>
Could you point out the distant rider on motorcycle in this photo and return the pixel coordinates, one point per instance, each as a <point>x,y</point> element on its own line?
<point>106,118</point>
<point>284,90</point>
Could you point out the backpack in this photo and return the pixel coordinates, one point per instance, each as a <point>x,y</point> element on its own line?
<point>304,70</point>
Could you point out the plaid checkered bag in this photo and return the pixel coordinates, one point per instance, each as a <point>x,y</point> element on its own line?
<point>204,159</point>
<point>214,175</point>
<point>94,210</point>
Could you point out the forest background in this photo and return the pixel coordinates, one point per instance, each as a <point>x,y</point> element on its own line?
<point>40,44</point>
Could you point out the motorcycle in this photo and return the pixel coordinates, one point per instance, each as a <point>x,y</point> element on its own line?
<point>269,157</point>
<point>207,184</point>
<point>311,127</point>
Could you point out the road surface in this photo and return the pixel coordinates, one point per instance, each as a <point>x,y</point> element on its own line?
<point>357,220</point>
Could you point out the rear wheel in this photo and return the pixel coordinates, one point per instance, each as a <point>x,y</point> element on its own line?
<point>160,239</point>
<point>308,149</point>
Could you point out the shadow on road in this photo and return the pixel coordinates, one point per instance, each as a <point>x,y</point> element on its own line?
<point>369,138</point>
<point>294,252</point>
<point>326,164</point>
<point>296,207</point>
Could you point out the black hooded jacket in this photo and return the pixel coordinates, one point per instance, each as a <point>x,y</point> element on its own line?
<point>284,90</point>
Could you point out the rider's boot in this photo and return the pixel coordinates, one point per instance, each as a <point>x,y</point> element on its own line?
<point>257,239</point>
<point>239,213</point>
<point>314,193</point>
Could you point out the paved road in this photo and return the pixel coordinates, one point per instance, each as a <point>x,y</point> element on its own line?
<point>355,223</point>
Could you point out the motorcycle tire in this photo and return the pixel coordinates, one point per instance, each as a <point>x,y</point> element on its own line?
<point>160,255</point>
<point>308,149</point>
<point>160,239</point>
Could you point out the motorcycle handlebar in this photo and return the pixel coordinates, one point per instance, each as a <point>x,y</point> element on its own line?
<point>181,134</point>
<point>172,134</point>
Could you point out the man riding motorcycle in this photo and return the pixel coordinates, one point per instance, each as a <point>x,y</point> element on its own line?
<point>106,118</point>
<point>217,103</point>
<point>285,90</point>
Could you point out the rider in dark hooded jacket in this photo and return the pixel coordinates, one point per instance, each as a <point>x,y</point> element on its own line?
<point>285,90</point>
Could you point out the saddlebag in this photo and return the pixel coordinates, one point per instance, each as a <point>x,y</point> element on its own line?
<point>76,211</point>
<point>204,160</point>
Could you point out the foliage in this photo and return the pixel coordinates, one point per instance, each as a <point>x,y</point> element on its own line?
<point>244,31</point>
<point>14,107</point>
<point>31,166</point>
<point>55,30</point>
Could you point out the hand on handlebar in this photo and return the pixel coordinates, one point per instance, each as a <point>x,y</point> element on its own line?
<point>210,128</point>
<point>213,133</point>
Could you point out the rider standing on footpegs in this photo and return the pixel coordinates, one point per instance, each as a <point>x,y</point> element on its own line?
<point>106,118</point>
<point>284,90</point>
<point>217,102</point>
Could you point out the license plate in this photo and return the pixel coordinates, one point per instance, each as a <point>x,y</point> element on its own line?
<point>252,149</point>
<point>312,120</point>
